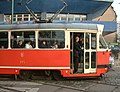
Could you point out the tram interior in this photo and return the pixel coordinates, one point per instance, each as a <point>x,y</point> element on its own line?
<point>87,55</point>
<point>81,54</point>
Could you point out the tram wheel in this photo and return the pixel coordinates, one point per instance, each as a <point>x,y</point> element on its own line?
<point>57,75</point>
<point>25,75</point>
<point>48,75</point>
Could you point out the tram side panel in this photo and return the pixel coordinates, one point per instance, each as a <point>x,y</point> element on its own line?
<point>102,61</point>
<point>13,60</point>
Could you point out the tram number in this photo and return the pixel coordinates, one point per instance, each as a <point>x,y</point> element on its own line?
<point>22,62</point>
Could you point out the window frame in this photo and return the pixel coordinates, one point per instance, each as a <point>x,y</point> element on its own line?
<point>6,41</point>
<point>51,38</point>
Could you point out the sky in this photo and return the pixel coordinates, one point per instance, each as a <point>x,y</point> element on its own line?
<point>116,6</point>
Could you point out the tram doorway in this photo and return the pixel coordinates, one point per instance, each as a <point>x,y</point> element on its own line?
<point>86,61</point>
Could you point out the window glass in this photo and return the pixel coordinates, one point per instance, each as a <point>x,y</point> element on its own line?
<point>93,41</point>
<point>70,18</point>
<point>102,43</point>
<point>87,60</point>
<point>3,40</point>
<point>77,18</point>
<point>26,16</point>
<point>93,59</point>
<point>57,18</point>
<point>21,39</point>
<point>7,18</point>
<point>51,39</point>
<point>87,46</point>
<point>84,17</point>
<point>63,18</point>
<point>31,18</point>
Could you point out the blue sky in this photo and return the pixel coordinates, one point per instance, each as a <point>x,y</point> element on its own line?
<point>116,5</point>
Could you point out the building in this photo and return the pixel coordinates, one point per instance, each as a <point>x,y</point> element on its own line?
<point>108,15</point>
<point>100,12</point>
<point>83,9</point>
<point>109,20</point>
<point>60,17</point>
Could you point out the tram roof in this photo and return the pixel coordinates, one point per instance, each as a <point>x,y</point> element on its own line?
<point>109,26</point>
<point>74,6</point>
<point>87,26</point>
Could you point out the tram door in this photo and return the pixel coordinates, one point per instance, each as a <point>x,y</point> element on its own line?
<point>90,48</point>
<point>87,57</point>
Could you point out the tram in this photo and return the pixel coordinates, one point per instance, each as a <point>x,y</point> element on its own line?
<point>57,58</point>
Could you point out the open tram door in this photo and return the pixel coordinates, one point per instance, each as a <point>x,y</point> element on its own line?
<point>87,57</point>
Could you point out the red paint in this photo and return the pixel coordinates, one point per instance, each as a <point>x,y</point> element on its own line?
<point>35,58</point>
<point>103,58</point>
<point>45,58</point>
<point>98,73</point>
<point>9,71</point>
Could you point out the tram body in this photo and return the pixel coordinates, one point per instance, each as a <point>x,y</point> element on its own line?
<point>94,60</point>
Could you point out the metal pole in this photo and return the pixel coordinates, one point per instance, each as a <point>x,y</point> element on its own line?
<point>12,12</point>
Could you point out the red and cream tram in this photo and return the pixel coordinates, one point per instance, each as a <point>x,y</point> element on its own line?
<point>56,59</point>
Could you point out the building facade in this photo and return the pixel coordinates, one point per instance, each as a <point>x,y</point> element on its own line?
<point>108,15</point>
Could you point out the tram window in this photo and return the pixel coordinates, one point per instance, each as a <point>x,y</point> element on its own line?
<point>102,43</point>
<point>87,60</point>
<point>93,41</point>
<point>24,36</point>
<point>87,45</point>
<point>93,60</point>
<point>45,34</point>
<point>53,39</point>
<point>3,40</point>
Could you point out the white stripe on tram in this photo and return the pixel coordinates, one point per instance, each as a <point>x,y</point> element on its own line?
<point>20,67</point>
